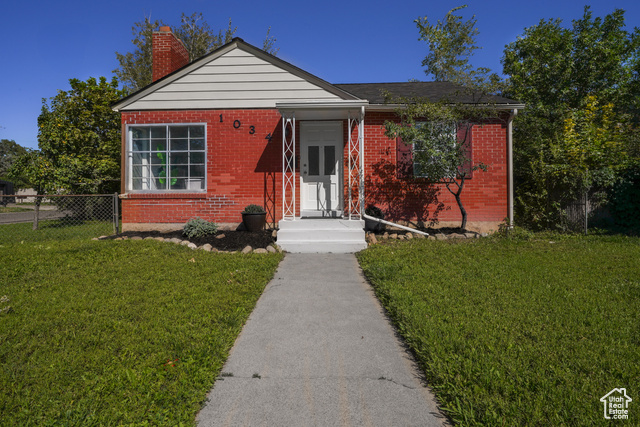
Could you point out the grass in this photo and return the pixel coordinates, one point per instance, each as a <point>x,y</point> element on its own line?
<point>117,332</point>
<point>53,231</point>
<point>517,332</point>
<point>9,209</point>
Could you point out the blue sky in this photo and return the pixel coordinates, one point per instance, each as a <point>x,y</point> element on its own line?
<point>45,43</point>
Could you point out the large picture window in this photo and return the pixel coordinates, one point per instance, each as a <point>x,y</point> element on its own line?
<point>167,158</point>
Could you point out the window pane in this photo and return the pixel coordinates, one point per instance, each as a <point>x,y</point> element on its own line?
<point>140,145</point>
<point>197,158</point>
<point>197,144</point>
<point>140,132</point>
<point>159,184</point>
<point>178,184</point>
<point>159,132</point>
<point>197,171</point>
<point>179,144</point>
<point>158,158</point>
<point>158,145</point>
<point>196,131</point>
<point>329,159</point>
<point>180,171</point>
<point>314,160</point>
<point>139,172</point>
<point>179,159</point>
<point>158,171</point>
<point>140,184</point>
<point>140,158</point>
<point>179,131</point>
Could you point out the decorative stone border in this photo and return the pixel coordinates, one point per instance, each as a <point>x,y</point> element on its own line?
<point>373,239</point>
<point>206,247</point>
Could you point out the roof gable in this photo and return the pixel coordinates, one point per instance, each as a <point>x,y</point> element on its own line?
<point>237,75</point>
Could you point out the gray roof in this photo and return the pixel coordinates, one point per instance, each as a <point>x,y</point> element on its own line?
<point>432,91</point>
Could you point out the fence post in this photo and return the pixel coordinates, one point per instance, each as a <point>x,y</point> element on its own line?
<point>116,218</point>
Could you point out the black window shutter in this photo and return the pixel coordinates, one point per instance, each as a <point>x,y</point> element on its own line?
<point>404,159</point>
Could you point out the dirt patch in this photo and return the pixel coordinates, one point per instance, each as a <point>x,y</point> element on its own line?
<point>232,240</point>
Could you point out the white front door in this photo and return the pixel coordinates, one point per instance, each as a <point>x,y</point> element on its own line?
<point>321,169</point>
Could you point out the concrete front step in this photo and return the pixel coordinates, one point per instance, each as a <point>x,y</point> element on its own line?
<point>322,236</point>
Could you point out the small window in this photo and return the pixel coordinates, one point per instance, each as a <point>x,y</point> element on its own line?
<point>166,158</point>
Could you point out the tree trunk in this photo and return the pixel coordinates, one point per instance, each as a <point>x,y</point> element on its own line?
<point>456,194</point>
<point>36,212</point>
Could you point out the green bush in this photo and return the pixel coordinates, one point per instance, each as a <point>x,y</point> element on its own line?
<point>625,201</point>
<point>198,227</point>
<point>253,209</point>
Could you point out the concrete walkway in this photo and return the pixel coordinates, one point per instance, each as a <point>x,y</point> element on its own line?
<point>318,351</point>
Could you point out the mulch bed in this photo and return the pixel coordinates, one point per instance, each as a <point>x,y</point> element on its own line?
<point>232,240</point>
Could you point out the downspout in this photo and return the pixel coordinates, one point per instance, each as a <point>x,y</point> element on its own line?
<point>393,224</point>
<point>510,163</point>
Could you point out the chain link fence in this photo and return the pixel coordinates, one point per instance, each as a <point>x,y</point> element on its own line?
<point>58,217</point>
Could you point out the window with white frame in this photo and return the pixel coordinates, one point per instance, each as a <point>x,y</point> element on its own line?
<point>166,157</point>
<point>445,135</point>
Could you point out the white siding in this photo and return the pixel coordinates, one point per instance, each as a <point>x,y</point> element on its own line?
<point>237,79</point>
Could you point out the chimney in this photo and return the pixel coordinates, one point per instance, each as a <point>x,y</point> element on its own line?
<point>169,53</point>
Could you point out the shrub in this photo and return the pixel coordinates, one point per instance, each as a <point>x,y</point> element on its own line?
<point>374,211</point>
<point>253,209</point>
<point>198,227</point>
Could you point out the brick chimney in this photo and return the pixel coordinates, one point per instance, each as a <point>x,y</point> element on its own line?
<point>169,53</point>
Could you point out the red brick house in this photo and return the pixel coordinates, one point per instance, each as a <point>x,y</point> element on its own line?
<point>240,126</point>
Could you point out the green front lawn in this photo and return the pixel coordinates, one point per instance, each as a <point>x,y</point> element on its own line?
<point>117,332</point>
<point>513,332</point>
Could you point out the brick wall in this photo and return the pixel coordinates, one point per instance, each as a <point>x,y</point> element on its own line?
<point>169,53</point>
<point>244,167</point>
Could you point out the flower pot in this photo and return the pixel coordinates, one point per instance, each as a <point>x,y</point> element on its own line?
<point>371,225</point>
<point>254,221</point>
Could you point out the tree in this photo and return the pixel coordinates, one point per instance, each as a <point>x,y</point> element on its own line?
<point>591,151</point>
<point>554,70</point>
<point>9,152</point>
<point>439,133</point>
<point>451,44</point>
<point>199,39</point>
<point>79,138</point>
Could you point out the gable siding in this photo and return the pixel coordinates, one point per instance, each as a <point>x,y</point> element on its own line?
<point>236,79</point>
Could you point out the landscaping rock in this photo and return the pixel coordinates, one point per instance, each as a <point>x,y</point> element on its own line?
<point>136,238</point>
<point>118,238</point>
<point>457,236</point>
<point>470,235</point>
<point>159,239</point>
<point>430,237</point>
<point>148,238</point>
<point>192,246</point>
<point>247,250</point>
<point>95,238</point>
<point>184,242</point>
<point>103,237</point>
<point>260,251</point>
<point>441,236</point>
<point>174,240</point>
<point>408,236</point>
<point>401,237</point>
<point>274,234</point>
<point>206,247</point>
<point>220,236</point>
<point>385,235</point>
<point>371,238</point>
<point>393,236</point>
<point>271,249</point>
<point>420,236</point>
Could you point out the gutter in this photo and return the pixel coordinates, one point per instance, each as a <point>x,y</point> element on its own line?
<point>512,115</point>
<point>393,224</point>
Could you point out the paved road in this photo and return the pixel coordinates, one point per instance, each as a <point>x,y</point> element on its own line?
<point>318,351</point>
<point>45,213</point>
